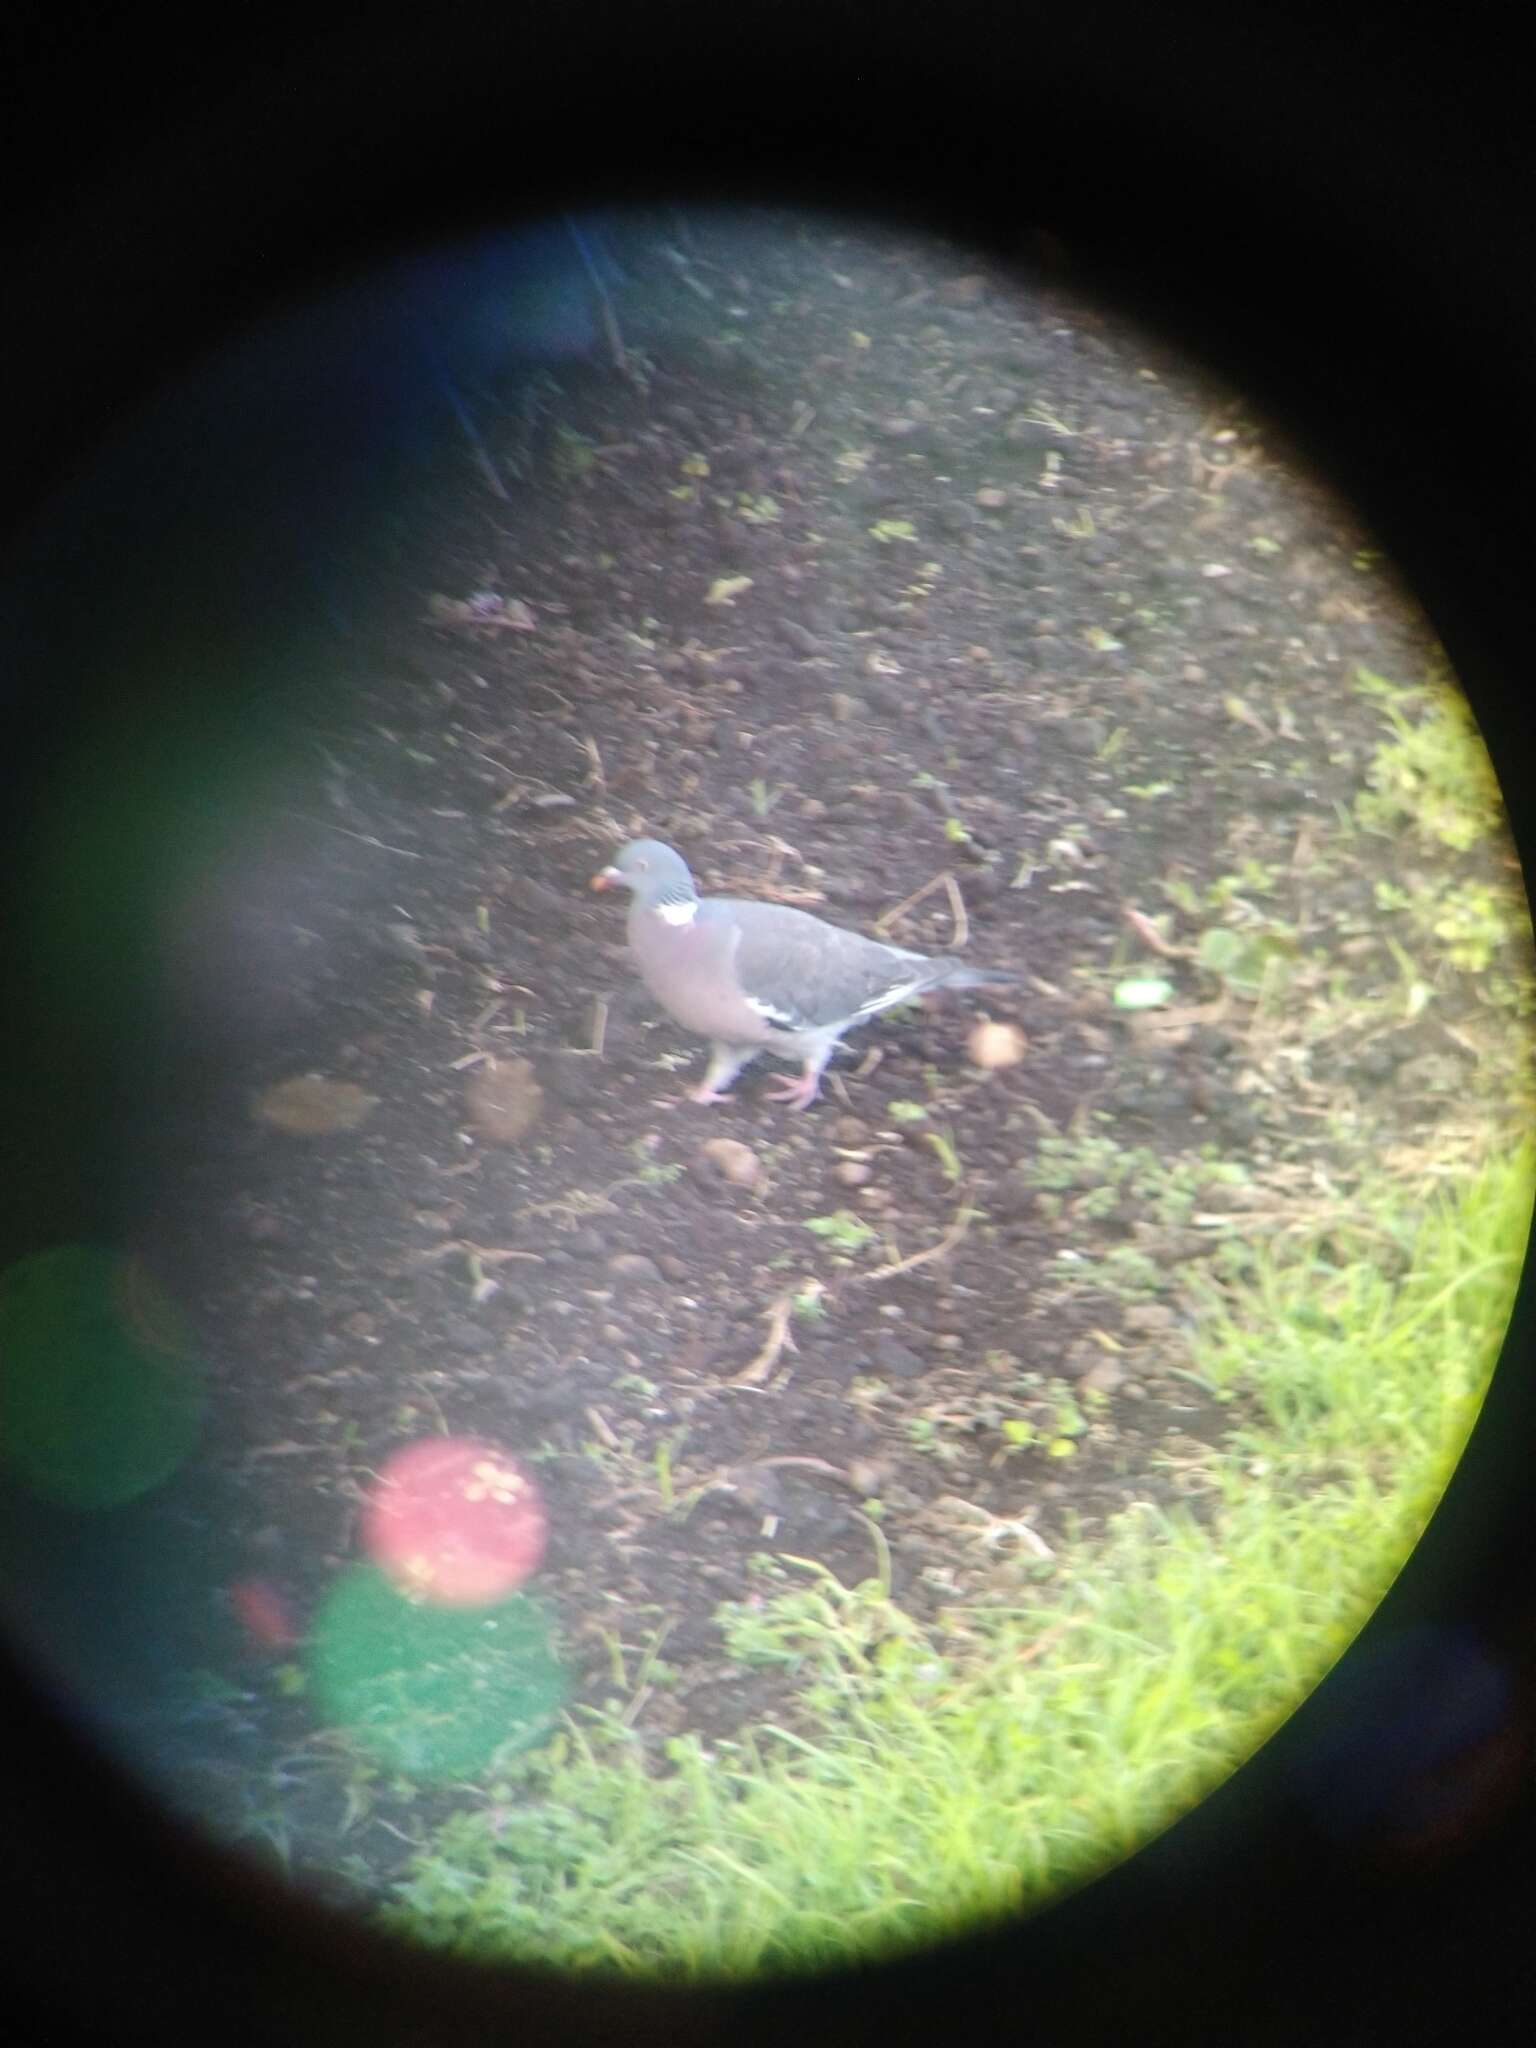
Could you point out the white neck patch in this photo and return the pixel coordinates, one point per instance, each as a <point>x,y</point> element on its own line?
<point>678,913</point>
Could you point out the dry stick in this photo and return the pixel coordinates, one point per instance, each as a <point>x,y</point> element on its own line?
<point>362,838</point>
<point>1149,935</point>
<point>753,1374</point>
<point>946,1243</point>
<point>596,779</point>
<point>889,917</point>
<point>804,1465</point>
<point>599,1026</point>
<point>957,912</point>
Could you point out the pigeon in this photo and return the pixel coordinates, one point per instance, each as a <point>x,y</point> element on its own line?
<point>764,977</point>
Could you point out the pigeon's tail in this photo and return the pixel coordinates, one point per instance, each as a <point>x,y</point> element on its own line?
<point>959,975</point>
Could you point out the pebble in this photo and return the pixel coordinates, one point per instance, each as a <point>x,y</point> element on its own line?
<point>795,637</point>
<point>1084,735</point>
<point>1105,1377</point>
<point>852,1173</point>
<point>1080,1359</point>
<point>729,1159</point>
<point>504,1100</point>
<point>994,1045</point>
<point>896,1358</point>
<point>849,1130</point>
<point>633,1266</point>
<point>1150,1318</point>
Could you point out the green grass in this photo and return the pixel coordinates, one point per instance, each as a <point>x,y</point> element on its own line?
<point>1433,776</point>
<point>932,1778</point>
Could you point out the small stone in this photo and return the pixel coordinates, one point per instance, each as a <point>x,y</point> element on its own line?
<point>797,639</point>
<point>504,1100</point>
<point>672,1267</point>
<point>729,1159</point>
<point>1148,1318</point>
<point>898,1359</point>
<point>1104,1377</point>
<point>850,1130</point>
<point>993,1045</point>
<point>1084,735</point>
<point>634,1266</point>
<point>950,1341</point>
<point>846,709</point>
<point>852,1173</point>
<point>311,1106</point>
<point>1080,1358</point>
<point>991,499</point>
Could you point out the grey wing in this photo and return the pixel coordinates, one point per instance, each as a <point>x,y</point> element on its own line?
<point>804,975</point>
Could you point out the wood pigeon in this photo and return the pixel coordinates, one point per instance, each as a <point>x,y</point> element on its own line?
<point>763,977</point>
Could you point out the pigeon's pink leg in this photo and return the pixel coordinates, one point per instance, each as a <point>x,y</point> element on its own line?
<point>802,1093</point>
<point>704,1093</point>
<point>725,1063</point>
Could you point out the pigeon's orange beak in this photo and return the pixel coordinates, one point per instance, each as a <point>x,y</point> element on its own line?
<point>606,878</point>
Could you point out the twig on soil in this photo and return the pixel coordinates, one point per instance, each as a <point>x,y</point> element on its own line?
<point>946,1243</point>
<point>643,1688</point>
<point>1149,934</point>
<point>603,1428</point>
<point>992,1531</point>
<point>596,779</point>
<point>807,1465</point>
<point>488,1255</point>
<point>779,1340</point>
<point>962,931</point>
<point>599,1034</point>
<point>887,918</point>
<point>769,886</point>
<point>362,838</point>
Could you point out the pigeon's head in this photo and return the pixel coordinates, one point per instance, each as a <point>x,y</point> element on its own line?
<point>656,872</point>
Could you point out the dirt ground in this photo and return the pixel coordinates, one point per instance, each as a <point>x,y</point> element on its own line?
<point>868,582</point>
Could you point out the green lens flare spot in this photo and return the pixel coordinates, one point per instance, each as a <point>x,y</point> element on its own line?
<point>100,1399</point>
<point>434,1692</point>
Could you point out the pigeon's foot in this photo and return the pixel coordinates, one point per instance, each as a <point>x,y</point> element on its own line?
<point>704,1093</point>
<point>798,1094</point>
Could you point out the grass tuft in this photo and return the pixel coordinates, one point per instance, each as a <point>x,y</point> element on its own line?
<point>936,1777</point>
